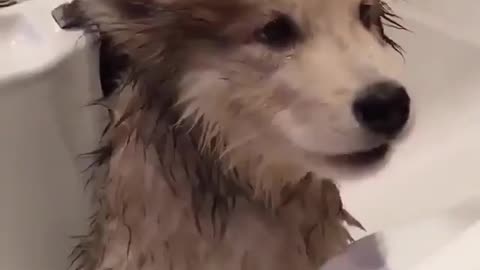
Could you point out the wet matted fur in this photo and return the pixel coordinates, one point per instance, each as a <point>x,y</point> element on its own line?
<point>202,171</point>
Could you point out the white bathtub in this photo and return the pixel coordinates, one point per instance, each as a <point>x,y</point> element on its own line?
<point>44,127</point>
<point>47,76</point>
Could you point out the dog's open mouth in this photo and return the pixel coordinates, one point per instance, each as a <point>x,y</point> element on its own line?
<point>362,158</point>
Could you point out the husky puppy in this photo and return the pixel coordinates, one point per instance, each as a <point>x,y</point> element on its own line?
<point>228,124</point>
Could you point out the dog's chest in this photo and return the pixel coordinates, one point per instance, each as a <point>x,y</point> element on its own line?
<point>162,232</point>
<point>147,222</point>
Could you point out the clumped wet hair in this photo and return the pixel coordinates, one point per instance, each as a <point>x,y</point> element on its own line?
<point>379,14</point>
<point>146,53</point>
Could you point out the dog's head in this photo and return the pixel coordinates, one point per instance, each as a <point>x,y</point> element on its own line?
<point>306,80</point>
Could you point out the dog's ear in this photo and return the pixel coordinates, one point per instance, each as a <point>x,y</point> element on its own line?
<point>158,37</point>
<point>108,15</point>
<point>134,28</point>
<point>144,29</point>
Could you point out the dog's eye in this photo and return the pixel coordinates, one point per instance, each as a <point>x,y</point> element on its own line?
<point>280,32</point>
<point>370,15</point>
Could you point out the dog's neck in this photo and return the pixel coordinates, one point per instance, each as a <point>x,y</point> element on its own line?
<point>269,176</point>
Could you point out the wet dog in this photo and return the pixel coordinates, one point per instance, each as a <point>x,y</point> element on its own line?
<point>228,123</point>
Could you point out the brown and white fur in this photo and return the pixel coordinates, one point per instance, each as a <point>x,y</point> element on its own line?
<point>222,145</point>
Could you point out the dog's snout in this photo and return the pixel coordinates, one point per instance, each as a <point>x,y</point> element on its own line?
<point>383,108</point>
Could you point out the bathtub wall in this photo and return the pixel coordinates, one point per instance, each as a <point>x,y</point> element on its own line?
<point>45,125</point>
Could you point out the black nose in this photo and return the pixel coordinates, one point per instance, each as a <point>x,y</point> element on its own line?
<point>383,108</point>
